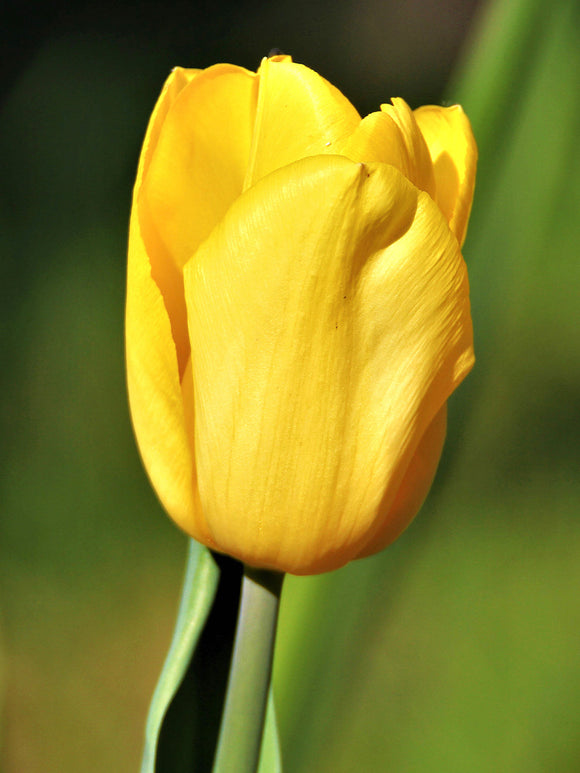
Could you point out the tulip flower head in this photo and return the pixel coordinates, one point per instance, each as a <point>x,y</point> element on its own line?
<point>297,310</point>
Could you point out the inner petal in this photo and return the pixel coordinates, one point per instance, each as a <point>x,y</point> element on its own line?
<point>195,172</point>
<point>299,114</point>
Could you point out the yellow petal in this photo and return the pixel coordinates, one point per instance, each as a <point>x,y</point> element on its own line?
<point>377,138</point>
<point>299,114</point>
<point>195,171</point>
<point>175,83</point>
<point>420,169</point>
<point>451,144</point>
<point>155,394</point>
<point>329,322</point>
<point>155,390</point>
<point>198,166</point>
<point>396,516</point>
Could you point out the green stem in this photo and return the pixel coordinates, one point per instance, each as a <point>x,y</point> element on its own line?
<point>238,749</point>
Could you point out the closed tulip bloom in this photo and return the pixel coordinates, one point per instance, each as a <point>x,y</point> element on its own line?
<point>297,310</point>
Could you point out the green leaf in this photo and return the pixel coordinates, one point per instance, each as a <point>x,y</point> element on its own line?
<point>489,82</point>
<point>199,590</point>
<point>522,251</point>
<point>270,757</point>
<point>184,715</point>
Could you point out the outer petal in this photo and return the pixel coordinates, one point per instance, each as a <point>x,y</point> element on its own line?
<point>329,322</point>
<point>196,170</point>
<point>155,391</point>
<point>449,137</point>
<point>175,83</point>
<point>397,515</point>
<point>299,114</point>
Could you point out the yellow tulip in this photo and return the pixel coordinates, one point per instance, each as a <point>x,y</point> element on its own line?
<point>297,310</point>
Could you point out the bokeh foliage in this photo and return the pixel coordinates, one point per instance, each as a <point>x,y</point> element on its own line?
<point>454,650</point>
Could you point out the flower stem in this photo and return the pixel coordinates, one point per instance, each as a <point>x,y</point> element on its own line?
<point>239,743</point>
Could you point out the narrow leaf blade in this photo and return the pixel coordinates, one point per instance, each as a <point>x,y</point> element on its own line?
<point>199,589</point>
<point>270,755</point>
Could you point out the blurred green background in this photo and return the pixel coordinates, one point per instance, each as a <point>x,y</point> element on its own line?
<point>458,648</point>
